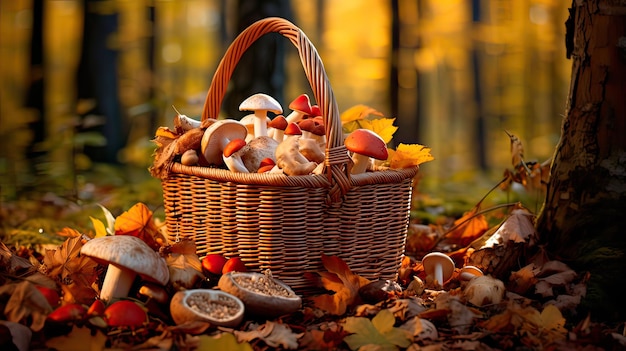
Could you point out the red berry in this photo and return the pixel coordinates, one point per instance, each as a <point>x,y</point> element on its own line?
<point>68,313</point>
<point>51,295</point>
<point>125,313</point>
<point>234,264</point>
<point>213,263</point>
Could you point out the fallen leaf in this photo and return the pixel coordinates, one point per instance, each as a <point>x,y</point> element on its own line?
<point>517,227</point>
<point>79,339</point>
<point>409,155</point>
<point>467,228</point>
<point>224,341</point>
<point>74,273</point>
<point>342,281</point>
<point>380,331</point>
<point>25,304</point>
<point>137,221</point>
<point>274,334</point>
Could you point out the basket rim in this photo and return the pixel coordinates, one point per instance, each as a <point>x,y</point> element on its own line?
<point>378,176</point>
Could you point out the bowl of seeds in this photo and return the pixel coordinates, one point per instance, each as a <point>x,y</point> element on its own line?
<point>262,294</point>
<point>207,305</point>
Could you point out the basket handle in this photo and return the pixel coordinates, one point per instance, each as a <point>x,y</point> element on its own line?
<point>337,159</point>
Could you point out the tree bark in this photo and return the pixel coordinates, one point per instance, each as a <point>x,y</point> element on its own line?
<point>583,214</point>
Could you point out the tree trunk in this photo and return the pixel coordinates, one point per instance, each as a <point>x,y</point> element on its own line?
<point>581,222</point>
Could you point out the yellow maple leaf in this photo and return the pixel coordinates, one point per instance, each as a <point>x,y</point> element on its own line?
<point>409,155</point>
<point>358,112</point>
<point>384,128</point>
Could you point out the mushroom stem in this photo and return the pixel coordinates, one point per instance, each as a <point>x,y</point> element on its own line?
<point>439,274</point>
<point>117,282</point>
<point>260,123</point>
<point>361,163</point>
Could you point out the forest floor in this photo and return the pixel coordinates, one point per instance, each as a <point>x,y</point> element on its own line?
<point>530,301</point>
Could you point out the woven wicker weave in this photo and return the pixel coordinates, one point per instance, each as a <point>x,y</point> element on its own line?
<point>284,223</point>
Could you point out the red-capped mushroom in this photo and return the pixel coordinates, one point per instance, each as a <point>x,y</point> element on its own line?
<point>364,145</point>
<point>300,106</point>
<point>232,158</point>
<point>217,136</point>
<point>278,125</point>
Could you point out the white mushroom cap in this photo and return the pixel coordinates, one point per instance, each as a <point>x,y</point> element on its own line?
<point>217,136</point>
<point>440,265</point>
<point>260,103</point>
<point>127,256</point>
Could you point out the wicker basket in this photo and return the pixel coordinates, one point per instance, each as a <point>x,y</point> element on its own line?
<point>284,223</point>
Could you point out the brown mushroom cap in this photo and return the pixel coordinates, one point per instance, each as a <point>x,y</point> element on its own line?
<point>366,142</point>
<point>128,252</point>
<point>217,136</point>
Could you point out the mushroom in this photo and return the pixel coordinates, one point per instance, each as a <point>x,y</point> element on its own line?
<point>262,294</point>
<point>364,145</point>
<point>288,156</point>
<point>249,121</point>
<point>182,123</point>
<point>310,149</point>
<point>278,125</point>
<point>467,273</point>
<point>438,265</point>
<point>217,136</point>
<point>313,129</point>
<point>232,156</point>
<point>315,111</point>
<point>300,106</point>
<point>127,257</point>
<point>266,165</point>
<point>484,290</point>
<point>260,103</point>
<point>189,158</point>
<point>256,150</point>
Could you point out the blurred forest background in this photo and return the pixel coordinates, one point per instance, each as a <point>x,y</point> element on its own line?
<point>85,84</point>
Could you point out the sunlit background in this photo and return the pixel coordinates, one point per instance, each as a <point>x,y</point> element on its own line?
<point>454,74</point>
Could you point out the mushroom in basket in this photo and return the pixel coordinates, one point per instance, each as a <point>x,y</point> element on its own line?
<point>365,145</point>
<point>288,156</point>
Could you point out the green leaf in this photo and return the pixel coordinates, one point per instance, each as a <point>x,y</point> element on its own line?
<point>225,342</point>
<point>379,331</point>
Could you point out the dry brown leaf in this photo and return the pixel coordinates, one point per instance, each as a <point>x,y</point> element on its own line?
<point>25,304</point>
<point>467,228</point>
<point>518,228</point>
<point>76,274</point>
<point>274,334</point>
<point>342,281</point>
<point>79,339</point>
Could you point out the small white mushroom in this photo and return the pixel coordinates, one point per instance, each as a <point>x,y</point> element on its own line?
<point>438,265</point>
<point>217,136</point>
<point>484,290</point>
<point>261,104</point>
<point>182,123</point>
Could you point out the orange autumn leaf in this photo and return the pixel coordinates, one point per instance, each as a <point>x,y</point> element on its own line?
<point>342,281</point>
<point>409,155</point>
<point>358,112</point>
<point>468,228</point>
<point>138,222</point>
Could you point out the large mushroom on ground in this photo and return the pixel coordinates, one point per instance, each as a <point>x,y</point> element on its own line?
<point>217,136</point>
<point>261,104</point>
<point>127,256</point>
<point>365,145</point>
